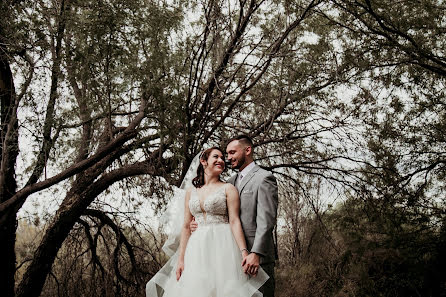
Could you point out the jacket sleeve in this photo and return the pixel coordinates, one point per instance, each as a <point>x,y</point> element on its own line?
<point>231,180</point>
<point>267,201</point>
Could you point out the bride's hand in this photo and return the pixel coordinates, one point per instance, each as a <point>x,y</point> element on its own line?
<point>180,268</point>
<point>193,225</point>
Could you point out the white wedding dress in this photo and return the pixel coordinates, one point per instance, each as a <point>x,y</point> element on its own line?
<point>212,261</point>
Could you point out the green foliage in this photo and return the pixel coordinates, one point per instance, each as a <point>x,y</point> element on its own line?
<point>348,106</point>
<point>374,250</point>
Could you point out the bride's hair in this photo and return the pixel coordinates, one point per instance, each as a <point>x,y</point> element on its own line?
<point>198,181</point>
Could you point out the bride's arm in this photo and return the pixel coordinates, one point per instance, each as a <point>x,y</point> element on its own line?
<point>233,202</point>
<point>185,234</point>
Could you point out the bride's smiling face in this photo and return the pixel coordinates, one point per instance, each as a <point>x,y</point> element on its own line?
<point>215,163</point>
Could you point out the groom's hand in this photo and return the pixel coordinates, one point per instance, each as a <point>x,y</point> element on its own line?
<point>251,264</point>
<point>193,225</point>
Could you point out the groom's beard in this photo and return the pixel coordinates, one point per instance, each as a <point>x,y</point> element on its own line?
<point>240,162</point>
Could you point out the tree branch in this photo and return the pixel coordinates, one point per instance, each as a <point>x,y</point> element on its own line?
<point>19,198</point>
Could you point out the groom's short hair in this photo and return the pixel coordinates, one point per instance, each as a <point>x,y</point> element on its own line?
<point>243,139</point>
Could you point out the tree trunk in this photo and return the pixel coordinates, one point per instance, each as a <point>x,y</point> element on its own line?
<point>34,279</point>
<point>7,246</point>
<point>83,192</point>
<point>9,152</point>
<point>73,206</point>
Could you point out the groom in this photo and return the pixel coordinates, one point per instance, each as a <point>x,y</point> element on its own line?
<point>258,208</point>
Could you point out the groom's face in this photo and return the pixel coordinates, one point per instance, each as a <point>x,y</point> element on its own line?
<point>236,154</point>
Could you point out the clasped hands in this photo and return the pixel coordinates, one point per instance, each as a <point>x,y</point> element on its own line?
<point>250,262</point>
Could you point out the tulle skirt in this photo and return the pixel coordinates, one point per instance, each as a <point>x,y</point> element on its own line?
<point>212,268</point>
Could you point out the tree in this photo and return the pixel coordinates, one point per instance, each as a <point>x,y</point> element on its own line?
<point>389,231</point>
<point>136,88</point>
<point>98,148</point>
<point>128,92</point>
<point>394,215</point>
<point>400,102</point>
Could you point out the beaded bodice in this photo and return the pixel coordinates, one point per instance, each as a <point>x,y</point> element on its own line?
<point>212,209</point>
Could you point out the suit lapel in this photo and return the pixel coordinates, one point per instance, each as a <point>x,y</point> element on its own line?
<point>231,180</point>
<point>247,178</point>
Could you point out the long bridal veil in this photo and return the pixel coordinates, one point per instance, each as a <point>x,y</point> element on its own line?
<point>172,219</point>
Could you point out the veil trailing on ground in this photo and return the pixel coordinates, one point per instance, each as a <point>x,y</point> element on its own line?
<point>172,219</point>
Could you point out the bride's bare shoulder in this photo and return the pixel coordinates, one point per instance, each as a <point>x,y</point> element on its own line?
<point>230,188</point>
<point>189,190</point>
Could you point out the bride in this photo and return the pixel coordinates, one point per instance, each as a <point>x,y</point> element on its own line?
<point>208,262</point>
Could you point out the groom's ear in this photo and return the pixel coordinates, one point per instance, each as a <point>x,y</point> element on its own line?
<point>248,150</point>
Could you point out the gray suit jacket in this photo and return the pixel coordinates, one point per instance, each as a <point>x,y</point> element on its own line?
<point>258,211</point>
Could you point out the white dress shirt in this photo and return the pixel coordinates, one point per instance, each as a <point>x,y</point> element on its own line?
<point>243,173</point>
